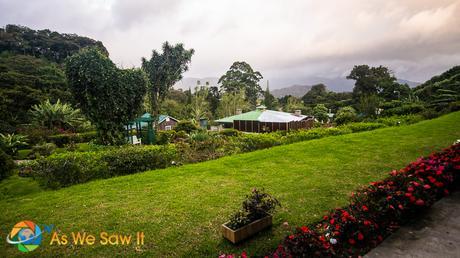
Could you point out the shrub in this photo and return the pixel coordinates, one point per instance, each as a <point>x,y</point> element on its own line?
<point>43,150</point>
<point>256,206</point>
<point>346,115</point>
<point>251,141</point>
<point>405,109</point>
<point>360,127</point>
<point>60,170</point>
<point>400,120</point>
<point>165,137</point>
<point>186,126</point>
<point>62,139</point>
<point>230,132</point>
<point>6,165</point>
<point>375,211</point>
<point>12,142</point>
<point>316,133</point>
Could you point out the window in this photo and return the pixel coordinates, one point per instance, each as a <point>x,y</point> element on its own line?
<point>168,127</point>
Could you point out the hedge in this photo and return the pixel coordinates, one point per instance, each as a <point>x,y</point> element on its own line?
<point>61,170</point>
<point>377,210</point>
<point>62,139</point>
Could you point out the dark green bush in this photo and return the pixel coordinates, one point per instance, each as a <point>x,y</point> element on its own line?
<point>62,139</point>
<point>252,141</point>
<point>230,132</point>
<point>165,137</point>
<point>400,120</point>
<point>315,133</point>
<point>405,109</point>
<point>6,165</point>
<point>186,126</point>
<point>360,127</point>
<point>60,170</point>
<point>43,150</point>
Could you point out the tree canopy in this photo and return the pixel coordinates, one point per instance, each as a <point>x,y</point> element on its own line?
<point>108,96</point>
<point>241,77</point>
<point>164,70</point>
<point>54,46</point>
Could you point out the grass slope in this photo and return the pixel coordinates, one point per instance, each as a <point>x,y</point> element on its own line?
<point>180,209</point>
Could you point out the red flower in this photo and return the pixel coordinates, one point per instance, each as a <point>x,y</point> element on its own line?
<point>416,184</point>
<point>401,207</point>
<point>420,202</point>
<point>365,208</point>
<point>351,241</point>
<point>291,237</point>
<point>410,189</point>
<point>439,184</point>
<point>412,199</point>
<point>380,238</point>
<point>408,194</point>
<point>244,255</point>
<point>427,186</point>
<point>360,236</point>
<point>304,229</point>
<point>332,221</point>
<point>367,223</point>
<point>322,238</point>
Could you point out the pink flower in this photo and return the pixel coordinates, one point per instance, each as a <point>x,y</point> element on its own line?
<point>420,202</point>
<point>427,186</point>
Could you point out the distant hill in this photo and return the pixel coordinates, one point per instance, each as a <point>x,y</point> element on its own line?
<point>411,84</point>
<point>294,90</point>
<point>51,45</point>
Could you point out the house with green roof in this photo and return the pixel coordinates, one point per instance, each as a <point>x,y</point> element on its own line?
<point>263,120</point>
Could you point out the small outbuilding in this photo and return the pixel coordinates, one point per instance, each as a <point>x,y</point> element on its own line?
<point>263,120</point>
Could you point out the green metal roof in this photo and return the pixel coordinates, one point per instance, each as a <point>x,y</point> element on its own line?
<point>250,116</point>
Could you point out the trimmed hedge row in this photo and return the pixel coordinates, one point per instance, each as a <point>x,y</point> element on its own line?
<point>62,139</point>
<point>60,170</point>
<point>377,210</point>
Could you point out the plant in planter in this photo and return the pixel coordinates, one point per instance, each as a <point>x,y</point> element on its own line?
<point>255,215</point>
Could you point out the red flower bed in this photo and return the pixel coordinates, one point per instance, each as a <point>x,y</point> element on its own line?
<point>377,210</point>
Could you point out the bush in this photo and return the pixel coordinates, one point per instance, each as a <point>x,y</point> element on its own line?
<point>405,109</point>
<point>62,139</point>
<point>316,133</point>
<point>43,150</point>
<point>60,170</point>
<point>375,211</point>
<point>256,206</point>
<point>6,165</point>
<point>186,126</point>
<point>346,115</point>
<point>360,127</point>
<point>251,141</point>
<point>400,120</point>
<point>230,132</point>
<point>165,137</point>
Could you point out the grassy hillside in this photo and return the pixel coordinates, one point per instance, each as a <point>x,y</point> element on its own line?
<point>180,209</point>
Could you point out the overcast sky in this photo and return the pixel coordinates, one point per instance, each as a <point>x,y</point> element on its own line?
<point>287,41</point>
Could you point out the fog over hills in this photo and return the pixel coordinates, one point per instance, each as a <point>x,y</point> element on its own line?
<point>280,89</point>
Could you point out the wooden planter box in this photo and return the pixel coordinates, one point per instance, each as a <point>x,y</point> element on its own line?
<point>242,233</point>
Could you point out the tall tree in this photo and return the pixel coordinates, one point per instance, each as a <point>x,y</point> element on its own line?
<point>164,70</point>
<point>108,96</point>
<point>370,80</point>
<point>213,100</point>
<point>269,100</point>
<point>241,77</point>
<point>316,95</point>
<point>199,108</point>
<point>230,102</point>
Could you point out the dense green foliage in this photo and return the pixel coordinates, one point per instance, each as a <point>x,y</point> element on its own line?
<point>346,115</point>
<point>26,81</point>
<point>48,44</point>
<point>108,96</point>
<point>6,165</point>
<point>62,139</point>
<point>10,143</point>
<point>60,170</point>
<point>442,89</point>
<point>58,115</point>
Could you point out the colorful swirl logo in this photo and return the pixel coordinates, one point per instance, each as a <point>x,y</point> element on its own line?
<point>26,235</point>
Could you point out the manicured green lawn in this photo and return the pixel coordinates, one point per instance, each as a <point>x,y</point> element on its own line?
<point>180,209</point>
